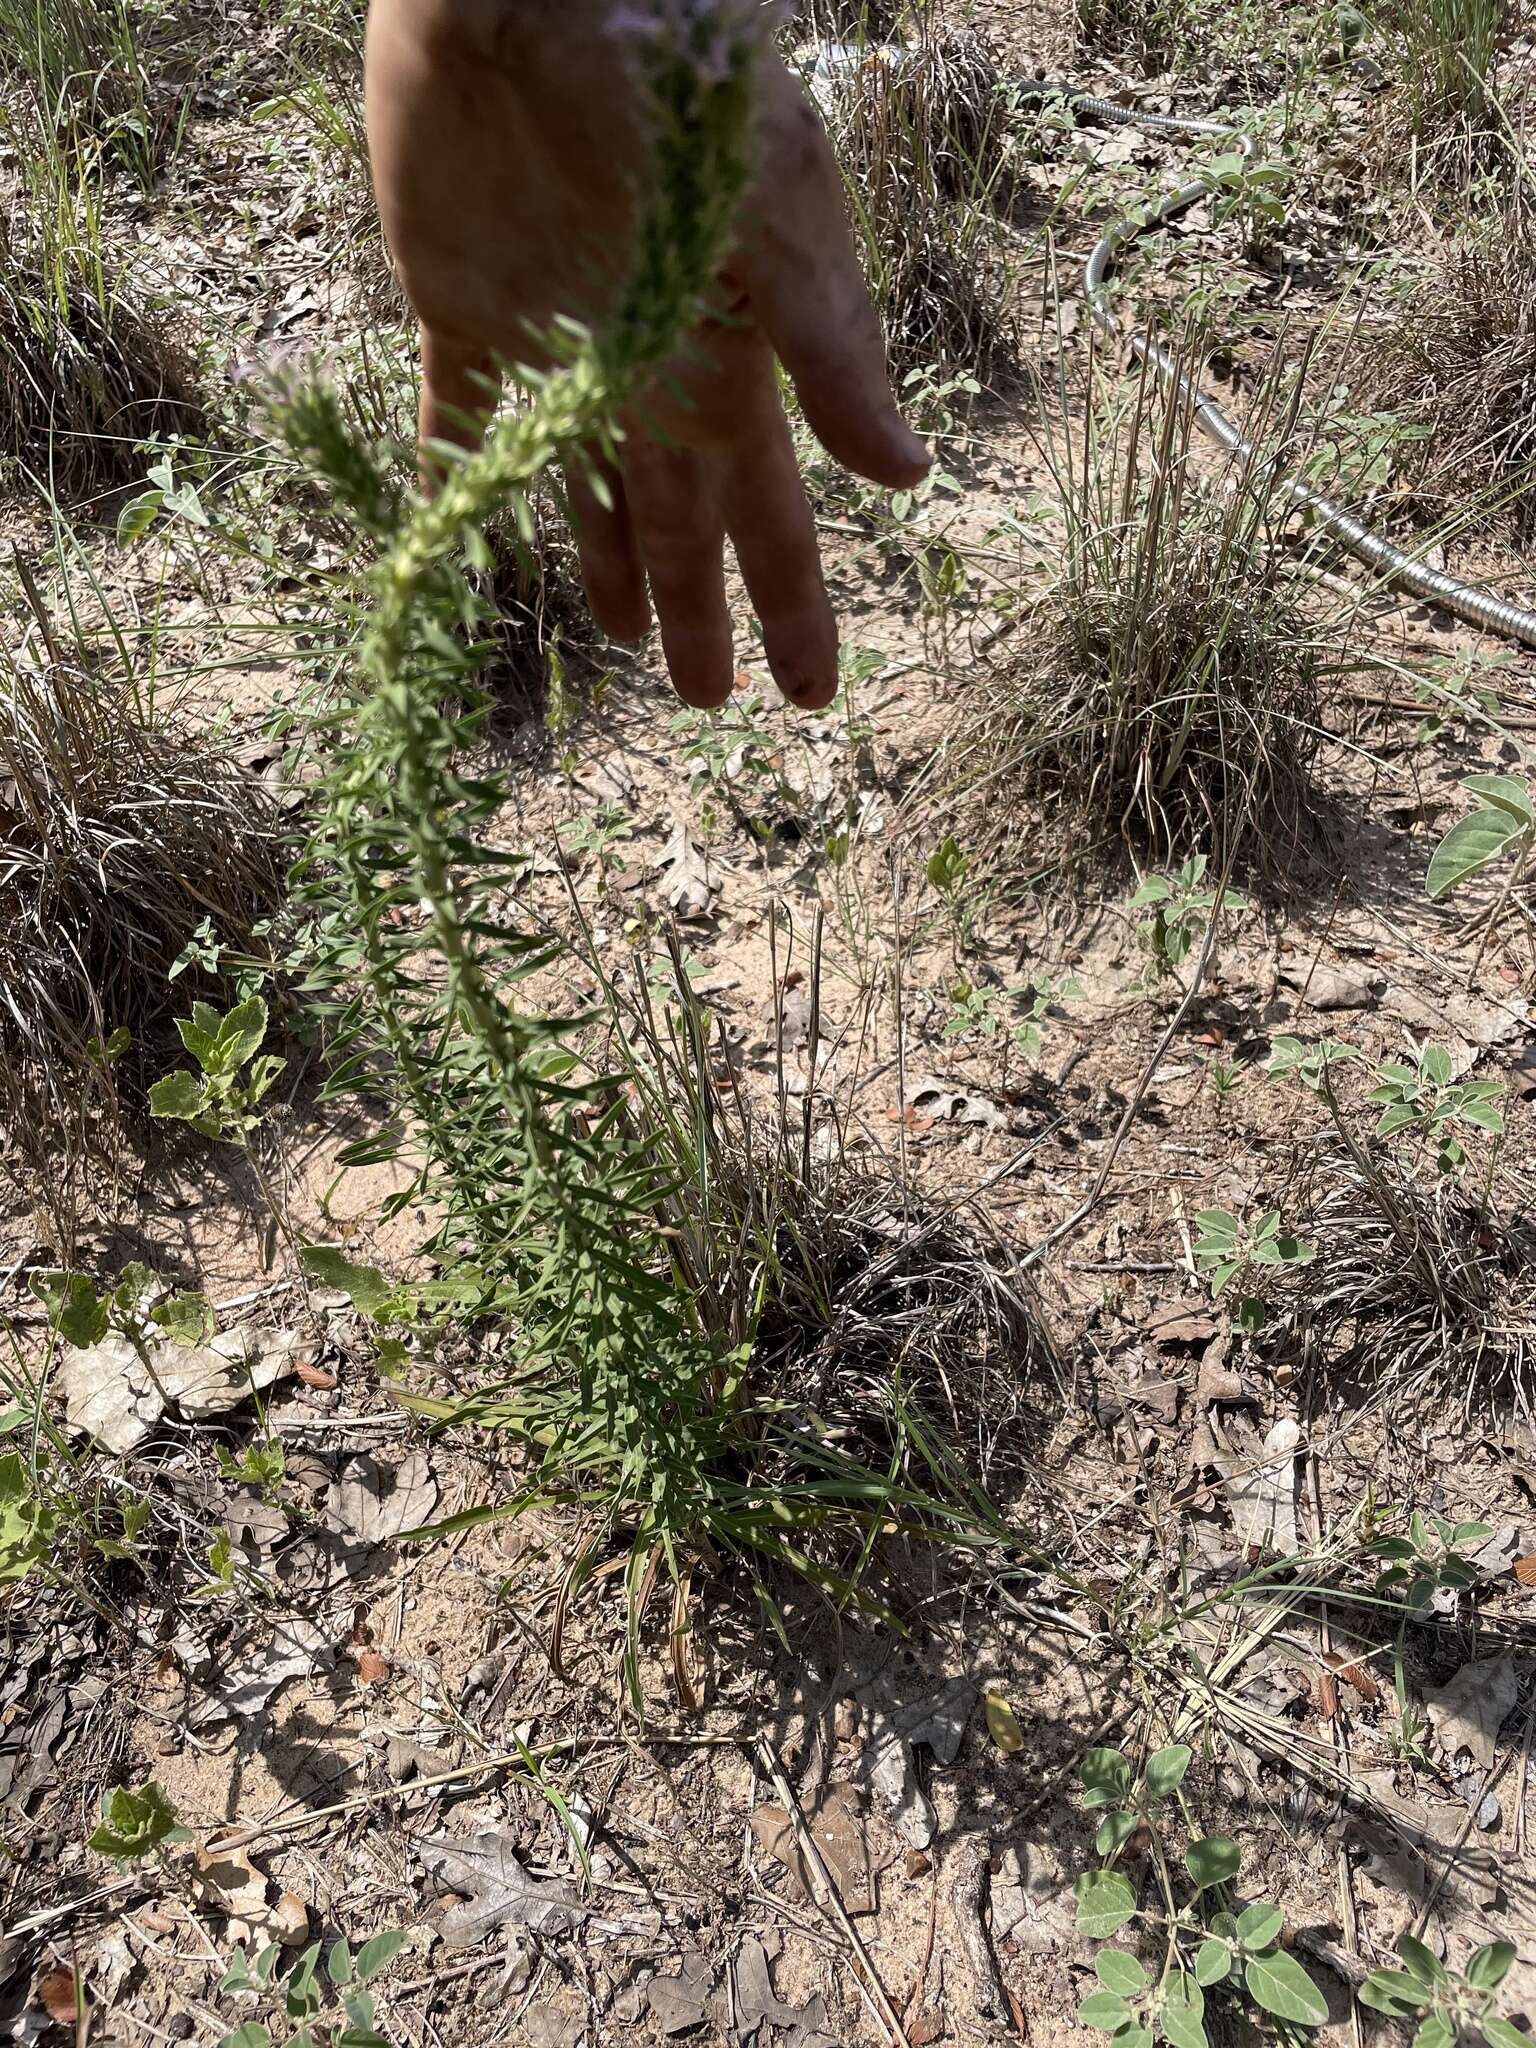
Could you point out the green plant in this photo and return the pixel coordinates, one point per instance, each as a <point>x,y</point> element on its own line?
<point>1445,52</point>
<point>1356,453</point>
<point>1201,1945</point>
<point>223,1098</point>
<point>1421,1097</point>
<point>120,840</point>
<point>1228,1249</point>
<point>992,1014</point>
<point>27,1523</point>
<point>94,82</point>
<point>1503,823</point>
<point>1449,2005</point>
<point>1452,689</point>
<point>950,876</point>
<point>1224,1077</point>
<point>1309,1064</point>
<point>1181,907</point>
<point>328,1986</point>
<point>1428,1558</point>
<point>136,1821</point>
<point>599,836</point>
<point>584,1209</point>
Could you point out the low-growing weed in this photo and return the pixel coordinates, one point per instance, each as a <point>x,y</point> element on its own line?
<point>1447,2006</point>
<point>1430,1557</point>
<point>1200,1944</point>
<point>1182,905</point>
<point>1229,1250</point>
<point>323,1997</point>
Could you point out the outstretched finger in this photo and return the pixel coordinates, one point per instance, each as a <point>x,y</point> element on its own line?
<point>774,535</point>
<point>796,259</point>
<point>676,513</point>
<point>612,573</point>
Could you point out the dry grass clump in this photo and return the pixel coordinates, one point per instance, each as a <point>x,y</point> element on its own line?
<point>86,372</point>
<point>1459,359</point>
<point>538,624</point>
<point>1421,1284</point>
<point>851,21</point>
<point>1168,696</point>
<point>922,142</point>
<point>861,1303</point>
<point>1444,119</point>
<point>117,841</point>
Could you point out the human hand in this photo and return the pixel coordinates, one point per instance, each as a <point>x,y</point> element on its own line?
<point>508,142</point>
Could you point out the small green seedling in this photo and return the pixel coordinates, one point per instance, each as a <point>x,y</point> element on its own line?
<point>1450,2006</point>
<point>993,1013</point>
<point>1181,906</point>
<point>1431,1557</point>
<point>599,836</point>
<point>1503,823</point>
<point>27,1523</point>
<point>260,1466</point>
<point>1205,1946</point>
<point>136,1821</point>
<point>1224,1077</point>
<point>311,1991</point>
<point>1228,1248</point>
<point>222,1099</point>
<point>1293,1058</point>
<point>1421,1097</point>
<point>948,869</point>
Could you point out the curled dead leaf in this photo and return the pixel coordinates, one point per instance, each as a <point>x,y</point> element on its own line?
<point>1327,1695</point>
<point>1355,1676</point>
<point>55,1992</point>
<point>316,1376</point>
<point>372,1667</point>
<point>1003,1724</point>
<point>1525,1570</point>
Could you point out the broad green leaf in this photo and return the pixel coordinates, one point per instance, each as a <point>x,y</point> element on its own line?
<point>1105,1775</point>
<point>1422,1962</point>
<point>26,1524</point>
<point>1501,2033</point>
<point>1470,846</point>
<point>1213,1959</point>
<point>1103,2011</point>
<point>75,1309</point>
<point>1213,1860</point>
<point>180,1096</point>
<point>1184,2029</point>
<point>374,1954</point>
<point>1434,2032</point>
<point>251,2035</point>
<point>1505,793</point>
<point>1105,1901</point>
<point>1115,1830</point>
<point>1282,1986</point>
<point>1259,1925</point>
<point>1165,1769</point>
<point>240,1034</point>
<point>364,1286</point>
<point>1488,1967</point>
<point>1133,2035</point>
<point>1120,1972</point>
<point>186,1318</point>
<point>338,1964</point>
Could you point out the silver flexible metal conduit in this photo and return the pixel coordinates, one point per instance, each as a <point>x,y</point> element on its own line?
<point>1434,586</point>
